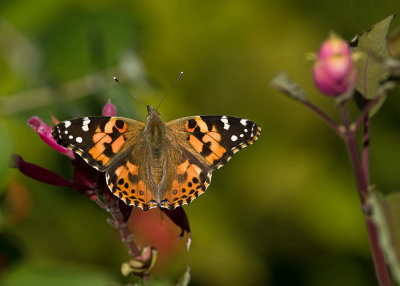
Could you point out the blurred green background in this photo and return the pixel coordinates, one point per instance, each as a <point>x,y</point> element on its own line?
<point>284,211</point>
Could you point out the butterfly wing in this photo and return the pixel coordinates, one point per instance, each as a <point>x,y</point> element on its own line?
<point>113,145</point>
<point>98,140</point>
<point>202,144</point>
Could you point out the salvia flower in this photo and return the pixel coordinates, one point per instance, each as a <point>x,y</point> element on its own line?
<point>109,109</point>
<point>92,183</point>
<point>334,71</point>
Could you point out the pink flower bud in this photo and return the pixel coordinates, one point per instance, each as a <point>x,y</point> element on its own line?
<point>109,109</point>
<point>334,72</point>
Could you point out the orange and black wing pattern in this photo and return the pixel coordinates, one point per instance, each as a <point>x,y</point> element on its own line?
<point>128,179</point>
<point>206,143</point>
<point>98,140</point>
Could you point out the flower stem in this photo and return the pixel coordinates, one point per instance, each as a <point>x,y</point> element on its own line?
<point>365,156</point>
<point>361,174</point>
<point>365,112</point>
<point>110,203</point>
<point>127,236</point>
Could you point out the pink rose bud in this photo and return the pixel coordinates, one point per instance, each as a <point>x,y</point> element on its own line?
<point>109,109</point>
<point>334,72</point>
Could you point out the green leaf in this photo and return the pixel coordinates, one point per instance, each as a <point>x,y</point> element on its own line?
<point>285,84</point>
<point>373,49</point>
<point>386,216</point>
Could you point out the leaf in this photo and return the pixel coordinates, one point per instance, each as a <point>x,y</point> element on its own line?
<point>373,48</point>
<point>285,84</point>
<point>386,216</point>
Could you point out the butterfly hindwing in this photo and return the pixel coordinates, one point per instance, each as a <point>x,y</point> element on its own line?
<point>97,139</point>
<point>189,178</point>
<point>127,179</point>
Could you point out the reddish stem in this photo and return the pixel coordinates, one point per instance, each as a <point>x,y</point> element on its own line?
<point>365,154</point>
<point>365,112</point>
<point>362,182</point>
<point>111,205</point>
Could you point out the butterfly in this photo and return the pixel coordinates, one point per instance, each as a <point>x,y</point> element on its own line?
<point>157,164</point>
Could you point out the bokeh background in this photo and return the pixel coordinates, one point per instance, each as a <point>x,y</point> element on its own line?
<point>284,211</point>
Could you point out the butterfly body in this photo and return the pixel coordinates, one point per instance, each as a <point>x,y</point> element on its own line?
<point>156,163</point>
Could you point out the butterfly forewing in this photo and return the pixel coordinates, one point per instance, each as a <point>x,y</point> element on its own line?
<point>98,140</point>
<point>216,138</point>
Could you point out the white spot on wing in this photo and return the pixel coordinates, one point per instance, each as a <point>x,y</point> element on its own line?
<point>245,130</point>
<point>224,120</point>
<point>234,138</point>
<point>66,132</point>
<point>243,122</point>
<point>85,124</point>
<point>79,139</point>
<point>241,135</point>
<point>67,124</point>
<point>71,137</point>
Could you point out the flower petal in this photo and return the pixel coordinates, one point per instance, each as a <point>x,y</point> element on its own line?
<point>109,109</point>
<point>125,209</point>
<point>38,173</point>
<point>178,216</point>
<point>333,71</point>
<point>44,131</point>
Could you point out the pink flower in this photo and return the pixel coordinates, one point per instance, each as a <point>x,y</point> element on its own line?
<point>44,131</point>
<point>334,71</point>
<point>109,109</point>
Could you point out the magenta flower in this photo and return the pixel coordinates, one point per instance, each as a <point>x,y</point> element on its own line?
<point>92,183</point>
<point>44,131</point>
<point>109,109</point>
<point>334,71</point>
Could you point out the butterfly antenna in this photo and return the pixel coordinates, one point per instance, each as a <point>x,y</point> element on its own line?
<point>172,86</point>
<point>117,81</point>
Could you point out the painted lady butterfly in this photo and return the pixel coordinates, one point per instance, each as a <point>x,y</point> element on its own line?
<point>155,163</point>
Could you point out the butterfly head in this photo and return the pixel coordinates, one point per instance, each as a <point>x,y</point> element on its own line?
<point>152,114</point>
